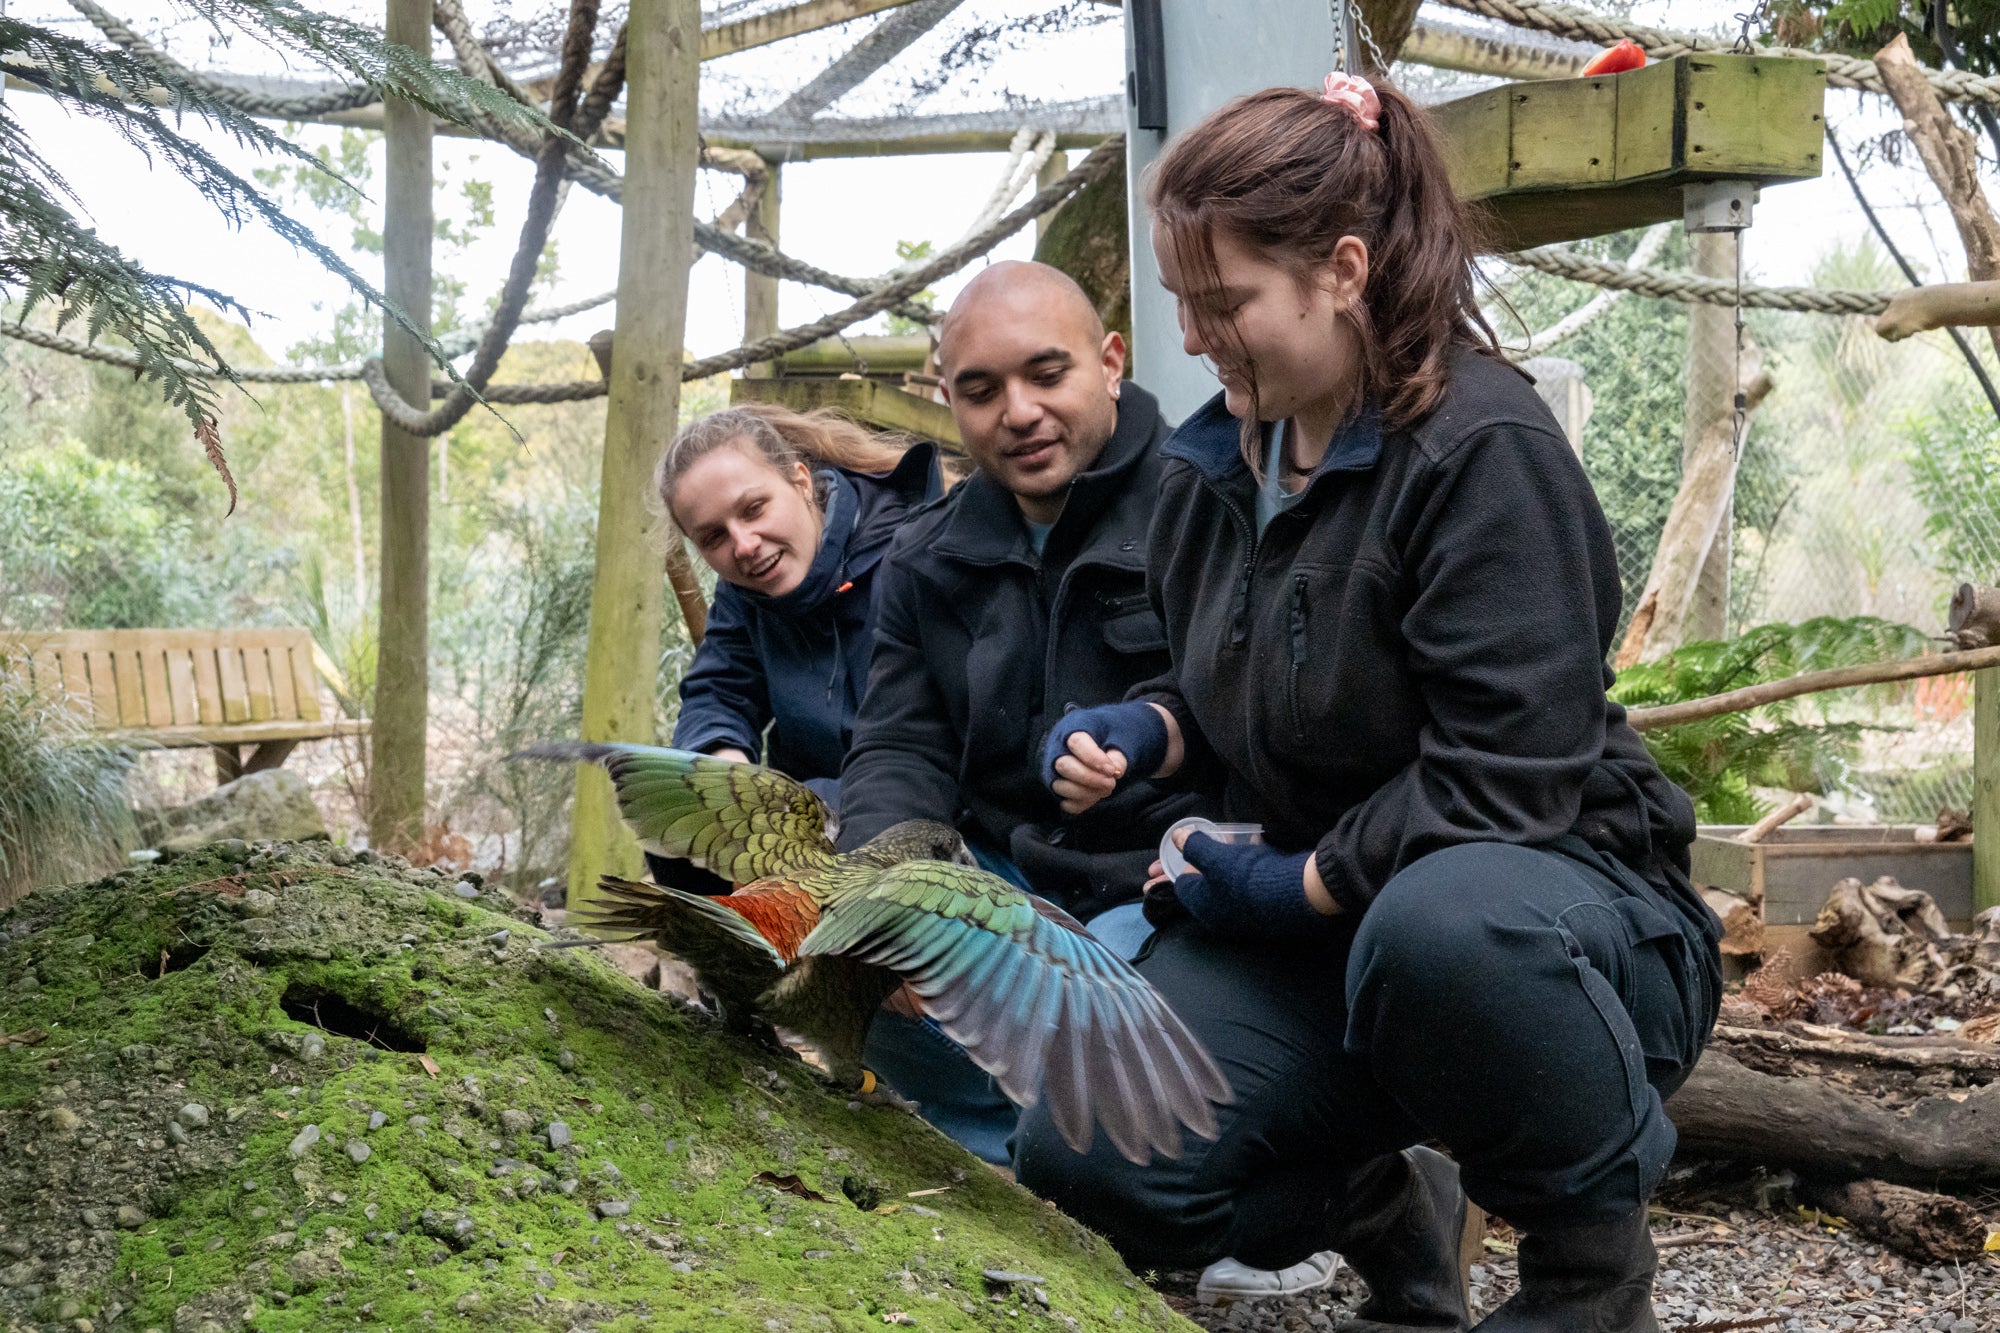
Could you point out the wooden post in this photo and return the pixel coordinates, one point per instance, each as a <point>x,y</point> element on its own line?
<point>1985,789</point>
<point>663,43</point>
<point>1711,393</point>
<point>760,290</point>
<point>1052,171</point>
<point>402,677</point>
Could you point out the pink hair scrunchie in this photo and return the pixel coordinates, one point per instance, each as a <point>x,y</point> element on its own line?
<point>1355,95</point>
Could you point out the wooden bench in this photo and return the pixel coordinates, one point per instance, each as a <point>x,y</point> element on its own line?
<point>231,690</point>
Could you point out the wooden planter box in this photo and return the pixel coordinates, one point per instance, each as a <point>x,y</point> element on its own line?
<point>1794,868</point>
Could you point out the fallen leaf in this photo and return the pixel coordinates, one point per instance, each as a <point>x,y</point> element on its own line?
<point>888,1208</point>
<point>790,1185</point>
<point>925,1194</point>
<point>282,1115</point>
<point>30,1037</point>
<point>1993,1243</point>
<point>211,444</point>
<point>430,1065</point>
<point>897,1317</point>
<point>1719,1324</point>
<point>580,1101</point>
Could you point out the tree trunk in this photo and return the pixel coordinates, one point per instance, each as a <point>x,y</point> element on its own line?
<point>622,660</point>
<point>1950,155</point>
<point>1730,1112</point>
<point>1671,609</point>
<point>402,675</point>
<point>1931,1228</point>
<point>354,500</point>
<point>1389,22</point>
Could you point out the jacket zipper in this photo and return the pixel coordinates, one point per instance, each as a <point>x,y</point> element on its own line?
<point>1298,634</point>
<point>1239,620</point>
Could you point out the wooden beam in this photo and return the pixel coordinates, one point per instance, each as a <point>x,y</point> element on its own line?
<point>1812,682</point>
<point>656,240</point>
<point>728,38</point>
<point>398,746</point>
<point>760,290</point>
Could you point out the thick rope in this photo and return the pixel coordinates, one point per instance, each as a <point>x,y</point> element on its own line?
<point>1581,318</point>
<point>1674,286</point>
<point>1842,71</point>
<point>544,198</point>
<point>455,345</point>
<point>1107,157</point>
<point>297,106</point>
<point>593,174</point>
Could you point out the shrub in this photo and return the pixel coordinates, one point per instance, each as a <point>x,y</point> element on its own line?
<point>63,815</point>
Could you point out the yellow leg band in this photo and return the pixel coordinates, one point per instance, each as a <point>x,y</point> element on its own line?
<point>867,1081</point>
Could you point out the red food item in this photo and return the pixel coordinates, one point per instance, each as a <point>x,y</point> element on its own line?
<point>1626,55</point>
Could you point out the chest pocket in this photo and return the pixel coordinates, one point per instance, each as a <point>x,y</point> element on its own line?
<point>1134,630</point>
<point>1333,641</point>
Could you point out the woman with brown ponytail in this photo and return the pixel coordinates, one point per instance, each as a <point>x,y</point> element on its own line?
<point>1389,593</point>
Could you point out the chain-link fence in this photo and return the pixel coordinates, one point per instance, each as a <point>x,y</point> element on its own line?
<point>1868,486</point>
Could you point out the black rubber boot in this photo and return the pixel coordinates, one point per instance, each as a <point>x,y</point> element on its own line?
<point>1594,1279</point>
<point>1399,1231</point>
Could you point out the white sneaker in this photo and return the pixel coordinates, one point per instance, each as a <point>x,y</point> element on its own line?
<point>1226,1281</point>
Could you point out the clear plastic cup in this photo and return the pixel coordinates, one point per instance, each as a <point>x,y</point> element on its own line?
<point>1176,865</point>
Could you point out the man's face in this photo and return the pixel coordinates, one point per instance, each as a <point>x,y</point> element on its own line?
<point>1032,388</point>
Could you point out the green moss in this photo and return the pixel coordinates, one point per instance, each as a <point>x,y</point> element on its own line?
<point>330,1001</point>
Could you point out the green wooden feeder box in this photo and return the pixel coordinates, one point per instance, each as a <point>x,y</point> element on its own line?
<point>1564,159</point>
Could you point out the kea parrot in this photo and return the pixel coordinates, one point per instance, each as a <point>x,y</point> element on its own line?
<point>814,941</point>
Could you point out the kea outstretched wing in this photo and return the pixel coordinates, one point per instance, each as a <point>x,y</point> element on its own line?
<point>1035,1001</point>
<point>727,952</point>
<point>742,821</point>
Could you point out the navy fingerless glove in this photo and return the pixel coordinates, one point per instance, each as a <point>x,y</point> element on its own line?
<point>1136,731</point>
<point>1247,891</point>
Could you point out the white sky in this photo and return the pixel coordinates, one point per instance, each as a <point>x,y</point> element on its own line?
<point>845,215</point>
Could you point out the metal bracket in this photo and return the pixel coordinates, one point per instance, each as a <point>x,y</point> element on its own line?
<point>1146,81</point>
<point>1718,205</point>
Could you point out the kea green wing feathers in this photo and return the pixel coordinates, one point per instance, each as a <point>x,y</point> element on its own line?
<point>742,821</point>
<point>1035,1001</point>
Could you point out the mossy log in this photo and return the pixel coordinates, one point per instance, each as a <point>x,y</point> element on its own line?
<point>290,1087</point>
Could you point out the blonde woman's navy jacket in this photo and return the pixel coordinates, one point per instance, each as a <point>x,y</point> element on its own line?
<point>1413,656</point>
<point>798,663</point>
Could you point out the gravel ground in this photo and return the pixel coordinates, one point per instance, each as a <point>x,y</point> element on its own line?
<point>1716,1271</point>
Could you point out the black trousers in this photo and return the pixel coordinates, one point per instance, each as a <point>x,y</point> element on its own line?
<point>1527,1009</point>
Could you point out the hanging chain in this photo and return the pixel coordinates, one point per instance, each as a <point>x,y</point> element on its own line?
<point>1741,426</point>
<point>1753,19</point>
<point>1368,40</point>
<point>1345,13</point>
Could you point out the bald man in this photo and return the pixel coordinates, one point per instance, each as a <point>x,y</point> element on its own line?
<point>1018,596</point>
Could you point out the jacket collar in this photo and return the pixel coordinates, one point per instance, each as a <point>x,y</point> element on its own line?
<point>829,567</point>
<point>1210,440</point>
<point>986,525</point>
<point>884,500</point>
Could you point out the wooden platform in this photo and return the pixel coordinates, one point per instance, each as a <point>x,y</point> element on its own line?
<point>1564,159</point>
<point>873,404</point>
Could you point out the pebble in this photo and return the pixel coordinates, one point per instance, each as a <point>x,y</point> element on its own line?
<point>376,1120</point>
<point>312,1047</point>
<point>62,1119</point>
<point>130,1217</point>
<point>613,1208</point>
<point>464,890</point>
<point>359,1151</point>
<point>175,1134</point>
<point>564,1060</point>
<point>194,1115</point>
<point>498,939</point>
<point>516,1122</point>
<point>302,1142</point>
<point>257,902</point>
<point>559,1136</point>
